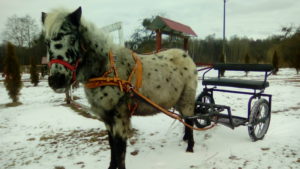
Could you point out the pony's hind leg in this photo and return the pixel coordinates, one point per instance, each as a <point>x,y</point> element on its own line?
<point>186,108</point>
<point>189,136</point>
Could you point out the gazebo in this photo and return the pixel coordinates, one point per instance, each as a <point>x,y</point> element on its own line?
<point>167,26</point>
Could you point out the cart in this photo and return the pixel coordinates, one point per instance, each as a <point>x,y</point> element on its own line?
<point>208,113</point>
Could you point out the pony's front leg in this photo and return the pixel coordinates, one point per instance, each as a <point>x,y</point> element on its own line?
<point>113,163</point>
<point>118,131</point>
<point>118,151</point>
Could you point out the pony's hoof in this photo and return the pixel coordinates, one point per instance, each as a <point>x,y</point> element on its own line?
<point>185,138</point>
<point>112,167</point>
<point>189,150</point>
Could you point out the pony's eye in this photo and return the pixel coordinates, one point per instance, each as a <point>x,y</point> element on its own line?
<point>72,41</point>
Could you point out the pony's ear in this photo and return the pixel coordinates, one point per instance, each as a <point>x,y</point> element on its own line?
<point>75,17</point>
<point>44,15</point>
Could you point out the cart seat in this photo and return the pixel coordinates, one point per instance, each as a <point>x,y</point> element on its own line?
<point>249,84</point>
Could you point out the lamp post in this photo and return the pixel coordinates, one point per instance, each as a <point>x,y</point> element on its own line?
<point>224,40</point>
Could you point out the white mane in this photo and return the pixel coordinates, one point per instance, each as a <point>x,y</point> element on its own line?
<point>54,20</point>
<point>56,17</point>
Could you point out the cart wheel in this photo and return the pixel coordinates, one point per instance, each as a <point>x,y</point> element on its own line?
<point>204,97</point>
<point>259,121</point>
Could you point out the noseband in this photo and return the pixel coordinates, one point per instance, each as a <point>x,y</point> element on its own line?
<point>72,68</point>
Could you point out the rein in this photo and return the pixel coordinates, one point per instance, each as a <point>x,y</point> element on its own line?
<point>124,85</point>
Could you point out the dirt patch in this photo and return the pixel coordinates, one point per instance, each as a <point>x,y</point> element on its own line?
<point>80,110</point>
<point>295,108</point>
<point>79,136</point>
<point>135,152</point>
<point>233,157</point>
<point>59,167</point>
<point>293,80</point>
<point>13,104</point>
<point>265,149</point>
<point>97,136</point>
<point>207,136</point>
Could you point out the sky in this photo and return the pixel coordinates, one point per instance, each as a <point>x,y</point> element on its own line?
<point>253,18</point>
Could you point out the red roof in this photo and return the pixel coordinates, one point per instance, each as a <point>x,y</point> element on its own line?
<point>178,26</point>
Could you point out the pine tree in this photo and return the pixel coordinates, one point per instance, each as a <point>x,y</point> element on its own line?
<point>12,73</point>
<point>34,75</point>
<point>247,61</point>
<point>275,62</point>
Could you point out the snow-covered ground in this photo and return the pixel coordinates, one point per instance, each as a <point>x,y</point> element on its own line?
<point>44,133</point>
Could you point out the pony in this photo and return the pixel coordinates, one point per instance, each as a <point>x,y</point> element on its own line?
<point>78,51</point>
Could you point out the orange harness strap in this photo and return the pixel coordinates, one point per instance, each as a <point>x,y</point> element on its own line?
<point>138,71</point>
<point>126,86</point>
<point>170,114</point>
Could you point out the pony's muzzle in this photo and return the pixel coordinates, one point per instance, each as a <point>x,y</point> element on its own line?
<point>58,82</point>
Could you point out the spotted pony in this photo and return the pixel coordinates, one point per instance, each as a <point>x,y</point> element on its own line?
<point>78,51</point>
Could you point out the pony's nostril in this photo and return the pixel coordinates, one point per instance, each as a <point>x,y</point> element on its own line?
<point>58,46</point>
<point>59,57</point>
<point>57,81</point>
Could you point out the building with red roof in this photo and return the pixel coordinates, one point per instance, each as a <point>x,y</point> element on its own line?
<point>163,25</point>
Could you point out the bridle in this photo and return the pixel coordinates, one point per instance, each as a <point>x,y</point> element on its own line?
<point>72,68</point>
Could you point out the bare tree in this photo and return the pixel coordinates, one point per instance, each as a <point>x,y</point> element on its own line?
<point>287,30</point>
<point>20,30</point>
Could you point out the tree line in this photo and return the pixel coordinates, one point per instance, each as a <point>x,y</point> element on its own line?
<point>209,50</point>
<point>29,45</point>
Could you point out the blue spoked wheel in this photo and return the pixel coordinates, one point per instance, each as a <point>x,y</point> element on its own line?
<point>204,97</point>
<point>259,120</point>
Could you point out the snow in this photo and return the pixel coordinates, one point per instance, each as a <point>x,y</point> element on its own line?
<point>43,132</point>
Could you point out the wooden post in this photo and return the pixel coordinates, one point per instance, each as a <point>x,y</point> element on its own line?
<point>185,43</point>
<point>158,40</point>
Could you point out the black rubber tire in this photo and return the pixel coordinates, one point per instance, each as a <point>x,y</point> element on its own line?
<point>204,97</point>
<point>259,111</point>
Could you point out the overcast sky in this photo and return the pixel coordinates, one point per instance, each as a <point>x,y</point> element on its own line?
<point>251,18</point>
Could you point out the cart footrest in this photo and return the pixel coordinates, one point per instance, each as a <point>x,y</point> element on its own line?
<point>217,108</point>
<point>225,120</point>
<point>212,112</point>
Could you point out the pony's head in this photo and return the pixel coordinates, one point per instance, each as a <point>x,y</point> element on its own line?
<point>61,29</point>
